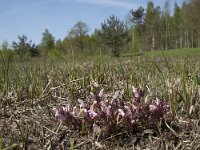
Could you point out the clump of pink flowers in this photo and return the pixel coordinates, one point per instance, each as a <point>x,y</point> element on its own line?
<point>107,117</point>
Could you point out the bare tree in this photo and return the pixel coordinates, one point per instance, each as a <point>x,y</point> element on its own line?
<point>78,33</point>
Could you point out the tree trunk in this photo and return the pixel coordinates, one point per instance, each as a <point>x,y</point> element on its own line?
<point>133,41</point>
<point>153,42</point>
<point>192,37</point>
<point>181,40</point>
<point>166,35</point>
<point>198,39</point>
<point>166,42</point>
<point>188,40</point>
<point>185,39</point>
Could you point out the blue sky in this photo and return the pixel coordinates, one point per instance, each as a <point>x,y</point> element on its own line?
<point>31,17</point>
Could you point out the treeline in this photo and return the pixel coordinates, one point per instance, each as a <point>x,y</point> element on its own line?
<point>147,29</point>
<point>157,29</point>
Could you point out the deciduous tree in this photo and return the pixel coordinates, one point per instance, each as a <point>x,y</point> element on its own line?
<point>48,40</point>
<point>78,33</point>
<point>137,18</point>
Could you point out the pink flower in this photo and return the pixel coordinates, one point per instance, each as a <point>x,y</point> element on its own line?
<point>96,113</point>
<point>157,101</point>
<point>103,104</point>
<point>115,103</point>
<point>146,100</point>
<point>82,104</point>
<point>93,105</point>
<point>96,128</point>
<point>73,113</point>
<point>55,111</point>
<point>121,112</point>
<point>95,97</point>
<point>116,95</point>
<point>61,114</point>
<point>109,111</point>
<point>152,108</point>
<point>92,114</point>
<point>134,121</point>
<point>137,94</point>
<point>101,93</point>
<point>128,111</point>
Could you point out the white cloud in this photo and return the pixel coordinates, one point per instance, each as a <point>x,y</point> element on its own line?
<point>111,3</point>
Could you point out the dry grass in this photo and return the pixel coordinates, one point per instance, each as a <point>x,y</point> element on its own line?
<point>26,108</point>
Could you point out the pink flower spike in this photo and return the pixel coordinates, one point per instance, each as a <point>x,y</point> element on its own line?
<point>93,97</point>
<point>134,89</point>
<point>96,128</point>
<point>116,95</point>
<point>56,112</point>
<point>128,110</point>
<point>109,111</point>
<point>67,108</point>
<point>92,114</point>
<point>121,112</point>
<point>137,94</point>
<point>146,100</point>
<point>60,114</point>
<point>134,121</point>
<point>92,94</point>
<point>157,101</point>
<point>94,102</point>
<point>103,104</point>
<point>134,107</point>
<point>82,104</point>
<point>101,93</point>
<point>152,108</point>
<point>93,105</point>
<point>85,110</point>
<point>74,111</point>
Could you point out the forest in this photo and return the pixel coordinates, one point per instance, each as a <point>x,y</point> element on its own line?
<point>144,29</point>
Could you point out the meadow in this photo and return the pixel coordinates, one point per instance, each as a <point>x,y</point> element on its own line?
<point>33,92</point>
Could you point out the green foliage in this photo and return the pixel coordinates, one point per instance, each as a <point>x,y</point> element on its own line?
<point>151,26</point>
<point>159,29</point>
<point>137,16</point>
<point>177,17</point>
<point>5,45</point>
<point>60,46</point>
<point>114,34</point>
<point>78,34</point>
<point>55,54</point>
<point>47,42</point>
<point>136,40</point>
<point>23,47</point>
<point>5,57</point>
